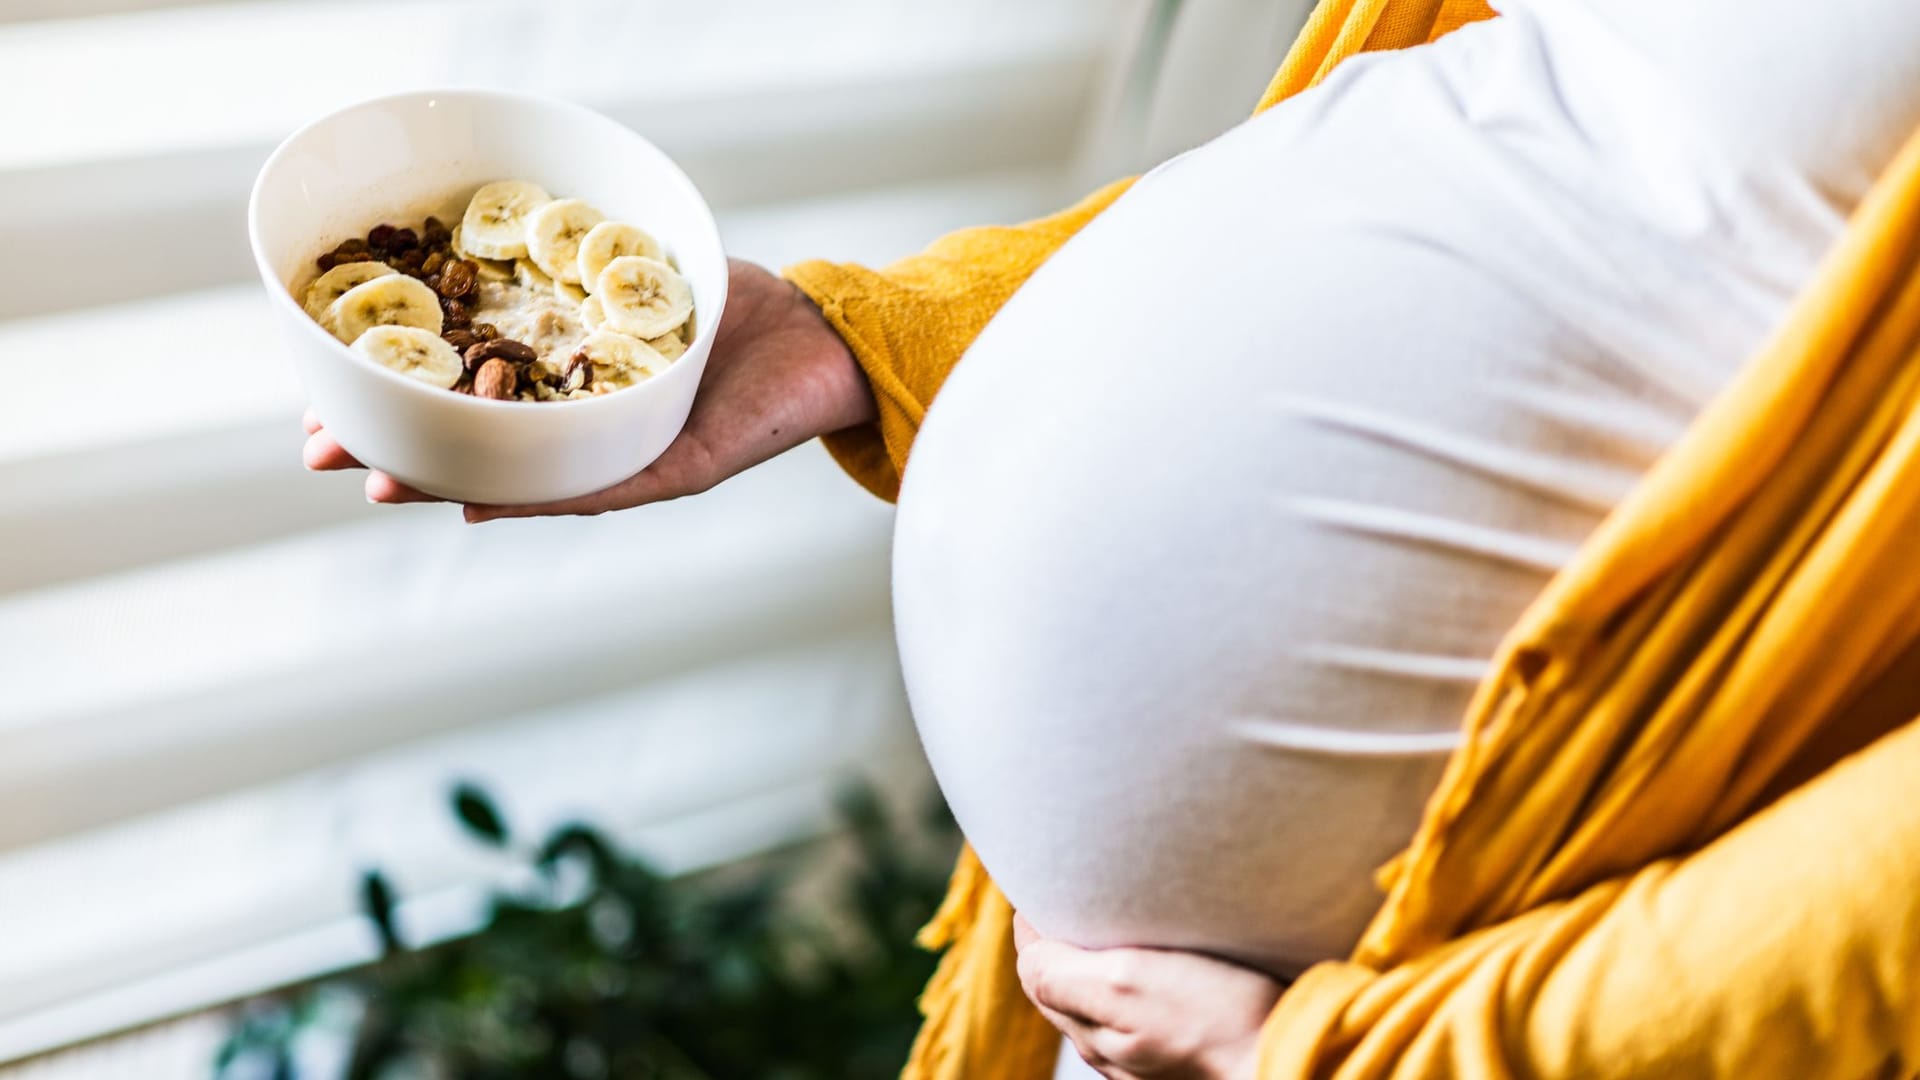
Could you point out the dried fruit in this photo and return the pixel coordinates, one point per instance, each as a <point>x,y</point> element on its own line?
<point>434,232</point>
<point>403,240</point>
<point>457,314</point>
<point>496,379</point>
<point>486,330</point>
<point>461,339</point>
<point>579,373</point>
<point>381,237</point>
<point>458,278</point>
<point>506,349</point>
<point>435,260</point>
<point>351,246</point>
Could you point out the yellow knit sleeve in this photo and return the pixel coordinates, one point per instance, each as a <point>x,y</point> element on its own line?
<point>909,324</point>
<point>1789,947</point>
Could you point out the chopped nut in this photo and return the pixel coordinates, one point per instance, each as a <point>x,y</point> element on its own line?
<point>506,349</point>
<point>496,379</point>
<point>579,373</point>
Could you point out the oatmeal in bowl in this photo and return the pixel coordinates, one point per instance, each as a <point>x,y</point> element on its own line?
<point>492,297</point>
<point>530,298</point>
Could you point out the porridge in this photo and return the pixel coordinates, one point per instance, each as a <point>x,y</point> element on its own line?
<point>528,298</point>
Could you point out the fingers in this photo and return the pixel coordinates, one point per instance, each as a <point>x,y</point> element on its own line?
<point>1087,1040</point>
<point>382,488</point>
<point>310,421</point>
<point>1077,982</point>
<point>1023,932</point>
<point>322,454</point>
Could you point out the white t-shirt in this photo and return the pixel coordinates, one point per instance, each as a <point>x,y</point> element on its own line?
<point>1204,545</point>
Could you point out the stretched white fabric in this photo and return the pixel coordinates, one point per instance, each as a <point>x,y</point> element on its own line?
<point>1203,546</point>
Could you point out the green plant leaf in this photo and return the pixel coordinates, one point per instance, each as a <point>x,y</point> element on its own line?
<point>376,901</point>
<point>576,838</point>
<point>477,812</point>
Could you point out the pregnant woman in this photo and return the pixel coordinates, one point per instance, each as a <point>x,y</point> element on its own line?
<point>1205,543</point>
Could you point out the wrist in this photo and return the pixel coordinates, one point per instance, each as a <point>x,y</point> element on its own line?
<point>830,361</point>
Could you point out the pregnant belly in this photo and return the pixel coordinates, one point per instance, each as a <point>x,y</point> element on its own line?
<point>1188,645</point>
<point>1197,565</point>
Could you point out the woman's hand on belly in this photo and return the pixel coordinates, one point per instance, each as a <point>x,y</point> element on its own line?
<point>778,376</point>
<point>1148,1014</point>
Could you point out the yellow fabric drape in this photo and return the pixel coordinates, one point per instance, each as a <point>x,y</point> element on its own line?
<point>1604,883</point>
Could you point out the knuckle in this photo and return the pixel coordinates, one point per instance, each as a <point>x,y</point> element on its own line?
<point>1129,1048</point>
<point>1090,1055</point>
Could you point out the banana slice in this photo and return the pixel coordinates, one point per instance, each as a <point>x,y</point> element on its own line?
<point>335,283</point>
<point>669,346</point>
<point>490,269</point>
<point>643,297</point>
<point>495,224</point>
<point>415,353</point>
<point>531,276</point>
<point>554,233</point>
<point>592,315</point>
<point>570,293</point>
<point>620,361</point>
<point>394,300</point>
<point>608,241</point>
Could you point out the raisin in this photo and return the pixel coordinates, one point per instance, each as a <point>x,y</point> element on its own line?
<point>461,340</point>
<point>433,233</point>
<point>458,278</point>
<point>404,240</point>
<point>435,260</point>
<point>380,237</point>
<point>486,331</point>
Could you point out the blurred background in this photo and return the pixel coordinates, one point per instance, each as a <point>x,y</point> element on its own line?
<point>229,689</point>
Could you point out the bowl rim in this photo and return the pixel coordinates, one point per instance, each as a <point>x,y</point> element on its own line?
<point>708,324</point>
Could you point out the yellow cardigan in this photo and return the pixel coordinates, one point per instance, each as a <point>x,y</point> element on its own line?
<point>1680,839</point>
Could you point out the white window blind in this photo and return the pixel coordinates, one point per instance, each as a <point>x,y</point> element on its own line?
<point>227,685</point>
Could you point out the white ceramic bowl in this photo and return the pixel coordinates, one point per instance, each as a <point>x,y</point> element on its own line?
<point>399,159</point>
